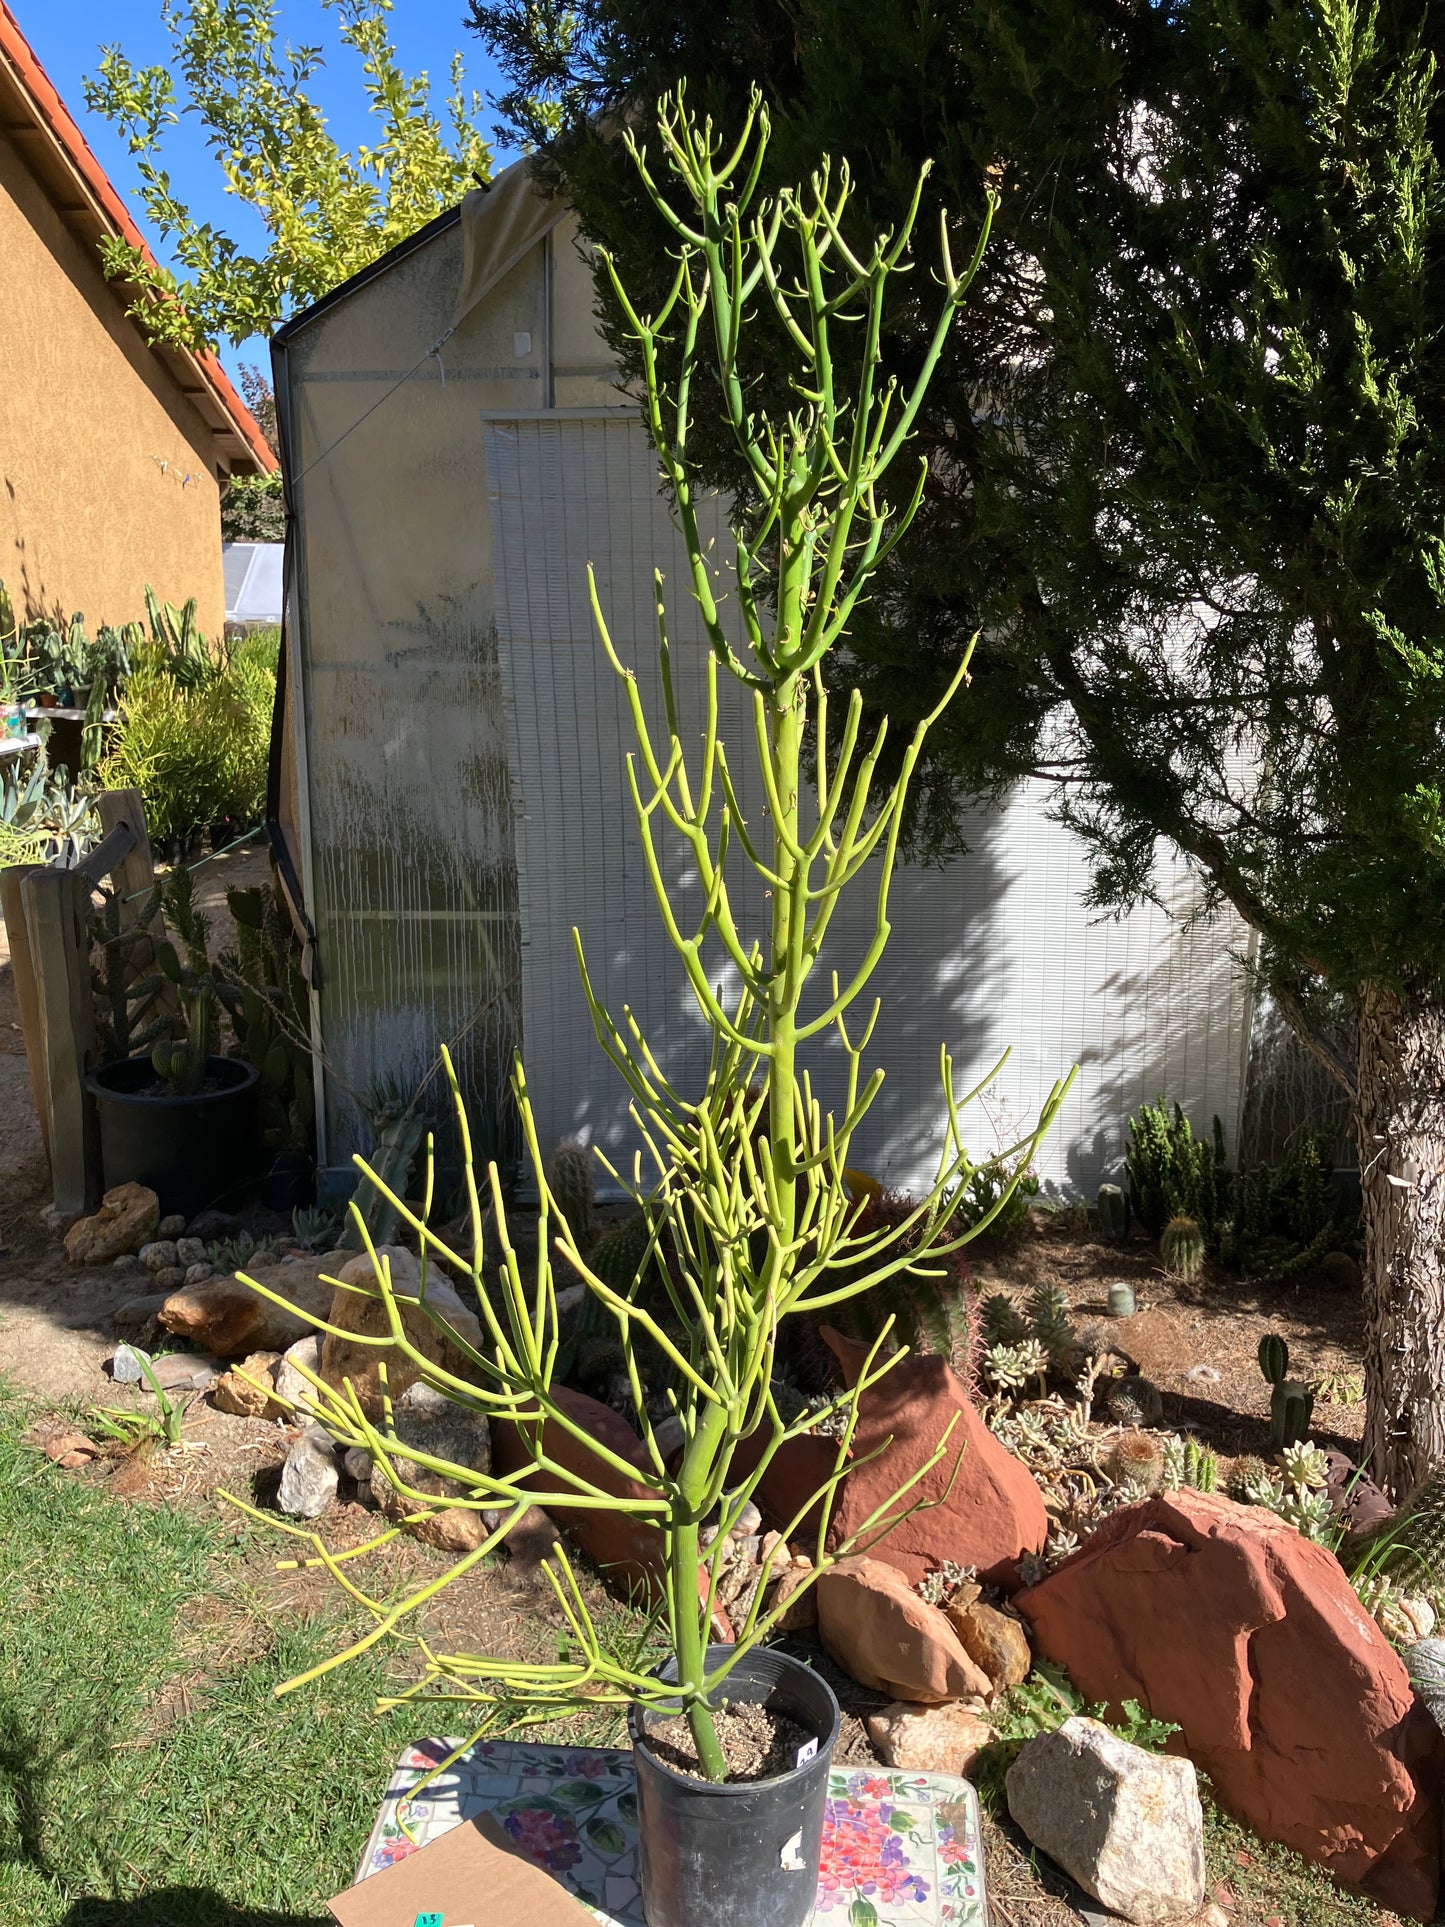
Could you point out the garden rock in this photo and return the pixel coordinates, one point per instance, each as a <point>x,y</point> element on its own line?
<point>173,1278</point>
<point>185,1371</point>
<point>159,1254</point>
<point>241,1398</point>
<point>208,1226</point>
<point>1355,1500</point>
<point>136,1313</point>
<point>128,1215</point>
<point>171,1227</point>
<point>191,1251</point>
<point>292,1386</point>
<point>990,1514</point>
<point>628,1549</point>
<point>358,1465</point>
<point>929,1739</point>
<point>461,1437</point>
<point>1124,1823</point>
<point>228,1318</point>
<point>993,1640</point>
<point>196,1275</point>
<point>128,1261</point>
<point>800,1613</point>
<point>886,1637</point>
<point>124,1365</point>
<point>310,1476</point>
<point>342,1358</point>
<point>1291,1700</point>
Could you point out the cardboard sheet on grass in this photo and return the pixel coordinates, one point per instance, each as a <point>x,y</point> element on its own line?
<point>906,1844</point>
<point>471,1875</point>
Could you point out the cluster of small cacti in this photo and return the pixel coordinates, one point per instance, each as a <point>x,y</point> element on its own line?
<point>1001,1321</point>
<point>1181,1246</point>
<point>1048,1309</point>
<point>1138,1459</point>
<point>1188,1463</point>
<point>571,1181</point>
<point>1173,1173</point>
<point>1294,1489</point>
<point>1291,1404</point>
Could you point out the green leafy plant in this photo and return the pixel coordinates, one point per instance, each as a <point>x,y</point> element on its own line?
<point>126,980</point>
<point>745,1177</point>
<point>1173,1173</point>
<point>44,817</point>
<point>326,212</point>
<point>130,1426</point>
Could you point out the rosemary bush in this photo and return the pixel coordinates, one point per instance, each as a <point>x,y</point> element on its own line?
<point>742,1184</point>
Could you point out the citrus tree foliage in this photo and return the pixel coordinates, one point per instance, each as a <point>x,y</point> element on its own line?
<point>327,212</point>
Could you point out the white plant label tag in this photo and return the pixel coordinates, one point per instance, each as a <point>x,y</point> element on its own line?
<point>806,1752</point>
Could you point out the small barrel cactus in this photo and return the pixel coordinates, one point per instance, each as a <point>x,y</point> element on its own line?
<point>570,1180</point>
<point>1425,1665</point>
<point>1135,1401</point>
<point>1122,1302</point>
<point>1181,1246</point>
<point>1201,1466</point>
<point>1113,1213</point>
<point>1246,1477</point>
<point>1137,1459</point>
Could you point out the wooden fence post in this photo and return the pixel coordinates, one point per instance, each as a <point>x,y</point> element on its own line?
<point>56,905</point>
<point>22,972</point>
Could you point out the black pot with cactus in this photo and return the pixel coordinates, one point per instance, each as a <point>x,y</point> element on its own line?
<point>175,1114</point>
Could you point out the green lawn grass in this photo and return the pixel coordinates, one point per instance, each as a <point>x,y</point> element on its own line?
<point>147,1776</point>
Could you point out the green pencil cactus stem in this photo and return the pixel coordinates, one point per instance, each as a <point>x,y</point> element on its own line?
<point>748,1215</point>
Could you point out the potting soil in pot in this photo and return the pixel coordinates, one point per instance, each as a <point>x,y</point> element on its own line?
<point>756,1743</point>
<point>907,1844</point>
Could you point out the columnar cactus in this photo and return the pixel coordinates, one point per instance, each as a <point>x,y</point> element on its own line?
<point>1181,1246</point>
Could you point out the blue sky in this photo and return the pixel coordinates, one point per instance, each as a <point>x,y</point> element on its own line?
<point>67,36</point>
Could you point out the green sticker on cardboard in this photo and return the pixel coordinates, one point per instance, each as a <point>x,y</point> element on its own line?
<point>428,1920</point>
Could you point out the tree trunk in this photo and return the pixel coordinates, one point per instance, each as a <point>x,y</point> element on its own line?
<point>1399,1117</point>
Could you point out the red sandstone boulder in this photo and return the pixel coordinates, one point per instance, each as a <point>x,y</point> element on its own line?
<point>989,1515</point>
<point>884,1636</point>
<point>624,1547</point>
<point>1250,1638</point>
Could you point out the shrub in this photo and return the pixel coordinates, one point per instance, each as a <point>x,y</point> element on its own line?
<point>198,752</point>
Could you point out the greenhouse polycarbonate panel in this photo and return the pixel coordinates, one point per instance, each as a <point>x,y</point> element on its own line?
<point>995,952</point>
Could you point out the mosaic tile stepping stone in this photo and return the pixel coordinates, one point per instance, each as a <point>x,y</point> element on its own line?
<point>899,1849</point>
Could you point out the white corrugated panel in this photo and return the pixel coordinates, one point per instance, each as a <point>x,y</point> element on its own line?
<point>994,951</point>
<point>254,580</point>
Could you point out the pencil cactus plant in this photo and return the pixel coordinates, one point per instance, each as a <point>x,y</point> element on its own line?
<point>743,1180</point>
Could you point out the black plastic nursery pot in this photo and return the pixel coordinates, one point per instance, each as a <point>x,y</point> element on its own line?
<point>744,1855</point>
<point>191,1151</point>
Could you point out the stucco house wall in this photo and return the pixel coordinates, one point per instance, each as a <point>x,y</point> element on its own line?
<point>113,451</point>
<point>108,477</point>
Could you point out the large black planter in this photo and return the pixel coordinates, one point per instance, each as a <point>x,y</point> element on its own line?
<point>193,1152</point>
<point>744,1855</point>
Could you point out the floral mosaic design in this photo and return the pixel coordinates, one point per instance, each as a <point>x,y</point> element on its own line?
<point>899,1849</point>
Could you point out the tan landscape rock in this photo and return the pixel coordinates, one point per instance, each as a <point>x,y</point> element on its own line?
<point>884,1636</point>
<point>930,1739</point>
<point>355,1312</point>
<point>240,1397</point>
<point>227,1317</point>
<point>993,1640</point>
<point>127,1217</point>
